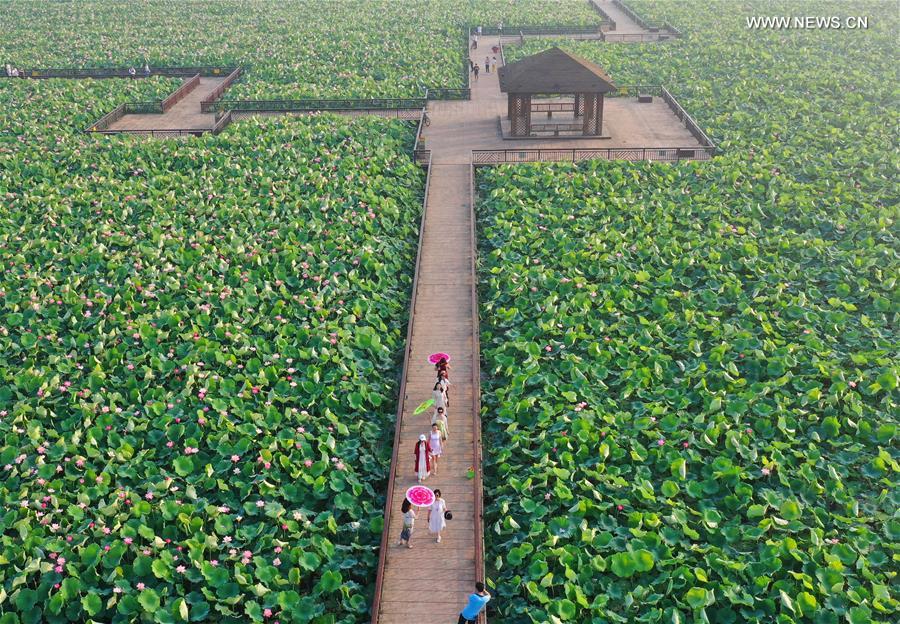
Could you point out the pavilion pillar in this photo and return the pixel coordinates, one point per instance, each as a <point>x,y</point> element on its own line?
<point>588,127</point>
<point>599,114</point>
<point>519,114</point>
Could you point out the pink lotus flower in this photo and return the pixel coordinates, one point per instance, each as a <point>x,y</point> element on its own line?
<point>260,503</point>
<point>128,540</point>
<point>660,442</point>
<point>180,569</point>
<point>141,586</point>
<point>267,613</point>
<point>765,472</point>
<point>620,507</point>
<point>307,463</point>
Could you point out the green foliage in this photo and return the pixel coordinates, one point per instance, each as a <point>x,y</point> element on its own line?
<point>301,49</point>
<point>699,360</point>
<point>178,345</point>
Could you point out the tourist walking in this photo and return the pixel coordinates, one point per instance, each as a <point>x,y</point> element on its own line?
<point>444,380</point>
<point>436,520</point>
<point>434,441</point>
<point>494,64</point>
<point>437,394</point>
<point>475,69</point>
<point>475,605</point>
<point>439,418</point>
<point>131,72</point>
<point>423,458</point>
<point>409,521</point>
<point>487,64</point>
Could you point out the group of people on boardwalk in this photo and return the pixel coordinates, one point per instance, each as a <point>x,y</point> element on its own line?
<point>428,450</point>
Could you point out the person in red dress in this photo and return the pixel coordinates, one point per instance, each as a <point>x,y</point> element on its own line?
<point>423,458</point>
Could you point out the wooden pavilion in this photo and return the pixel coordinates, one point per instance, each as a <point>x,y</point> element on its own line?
<point>555,72</point>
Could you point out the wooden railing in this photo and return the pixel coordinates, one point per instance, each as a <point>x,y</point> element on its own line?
<point>119,72</point>
<point>389,500</point>
<point>663,154</point>
<point>652,27</point>
<point>550,29</point>
<point>107,120</point>
<point>206,105</point>
<point>179,94</point>
<point>286,106</point>
<point>603,14</point>
<point>449,93</point>
<point>478,513</point>
<point>222,121</point>
<point>688,121</point>
<point>144,108</point>
<point>637,37</point>
<point>159,134</point>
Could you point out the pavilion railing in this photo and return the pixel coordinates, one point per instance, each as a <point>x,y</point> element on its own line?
<point>662,154</point>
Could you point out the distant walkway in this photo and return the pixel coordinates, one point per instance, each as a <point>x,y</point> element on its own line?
<point>625,25</point>
<point>184,115</point>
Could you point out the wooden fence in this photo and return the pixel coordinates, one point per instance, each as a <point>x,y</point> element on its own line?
<point>337,104</point>
<point>652,27</point>
<point>662,154</point>
<point>389,500</point>
<point>119,72</point>
<point>180,93</point>
<point>206,105</point>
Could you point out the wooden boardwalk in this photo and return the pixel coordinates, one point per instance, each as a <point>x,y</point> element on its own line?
<point>429,583</point>
<point>184,115</point>
<point>624,24</point>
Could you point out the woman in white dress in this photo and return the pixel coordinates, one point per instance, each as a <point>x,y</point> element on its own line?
<point>435,443</point>
<point>437,393</point>
<point>423,458</point>
<point>439,418</point>
<point>436,521</point>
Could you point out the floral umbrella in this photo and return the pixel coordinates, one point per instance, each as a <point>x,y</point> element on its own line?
<point>434,358</point>
<point>420,496</point>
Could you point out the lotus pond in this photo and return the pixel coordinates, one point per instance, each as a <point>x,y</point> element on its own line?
<point>199,346</point>
<point>691,401</point>
<point>312,48</point>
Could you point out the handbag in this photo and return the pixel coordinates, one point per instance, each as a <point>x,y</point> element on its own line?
<point>448,515</point>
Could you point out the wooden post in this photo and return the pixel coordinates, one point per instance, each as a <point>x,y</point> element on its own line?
<point>579,105</point>
<point>520,114</point>
<point>589,115</point>
<point>600,115</point>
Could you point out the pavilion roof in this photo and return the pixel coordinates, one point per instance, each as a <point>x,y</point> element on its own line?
<point>554,71</point>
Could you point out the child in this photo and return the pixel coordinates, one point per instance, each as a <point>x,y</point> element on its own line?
<point>435,443</point>
<point>409,520</point>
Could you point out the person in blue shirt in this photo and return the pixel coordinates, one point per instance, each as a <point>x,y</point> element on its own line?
<point>476,604</point>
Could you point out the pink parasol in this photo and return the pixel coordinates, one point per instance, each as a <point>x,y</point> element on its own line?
<point>434,358</point>
<point>420,496</point>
